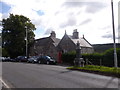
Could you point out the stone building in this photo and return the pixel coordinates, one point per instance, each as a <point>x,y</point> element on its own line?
<point>68,43</point>
<point>54,47</point>
<point>46,46</point>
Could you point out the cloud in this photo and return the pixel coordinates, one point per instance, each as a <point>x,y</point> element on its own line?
<point>70,22</point>
<point>106,27</point>
<point>110,36</point>
<point>94,7</point>
<point>118,37</point>
<point>91,7</point>
<point>68,4</point>
<point>0,16</point>
<point>48,31</point>
<point>60,15</point>
<point>5,15</point>
<point>85,21</point>
<point>44,13</point>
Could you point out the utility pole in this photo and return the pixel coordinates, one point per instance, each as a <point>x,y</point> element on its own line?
<point>115,54</point>
<point>26,44</point>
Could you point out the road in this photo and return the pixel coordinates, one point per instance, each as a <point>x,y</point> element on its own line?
<point>26,75</point>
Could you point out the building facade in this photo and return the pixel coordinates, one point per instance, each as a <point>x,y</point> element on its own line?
<point>68,43</point>
<point>46,46</point>
<point>54,47</point>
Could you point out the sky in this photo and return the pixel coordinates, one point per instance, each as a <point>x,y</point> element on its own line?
<point>91,18</point>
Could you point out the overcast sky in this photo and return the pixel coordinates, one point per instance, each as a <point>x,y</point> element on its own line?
<point>90,17</point>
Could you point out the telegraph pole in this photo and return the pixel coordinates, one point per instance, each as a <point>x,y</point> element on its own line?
<point>115,54</point>
<point>26,44</point>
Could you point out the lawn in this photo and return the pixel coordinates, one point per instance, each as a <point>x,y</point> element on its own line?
<point>111,71</point>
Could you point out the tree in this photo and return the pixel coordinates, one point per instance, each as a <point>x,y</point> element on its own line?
<point>14,34</point>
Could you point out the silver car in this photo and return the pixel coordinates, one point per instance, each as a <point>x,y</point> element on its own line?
<point>33,59</point>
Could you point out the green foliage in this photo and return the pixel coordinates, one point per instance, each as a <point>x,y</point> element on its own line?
<point>0,51</point>
<point>94,58</point>
<point>118,56</point>
<point>4,53</point>
<point>14,34</point>
<point>106,58</point>
<point>68,57</point>
<point>101,69</point>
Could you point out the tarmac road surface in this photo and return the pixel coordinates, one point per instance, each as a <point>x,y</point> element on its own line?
<point>26,75</point>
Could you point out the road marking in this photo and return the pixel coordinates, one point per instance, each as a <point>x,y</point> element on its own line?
<point>6,86</point>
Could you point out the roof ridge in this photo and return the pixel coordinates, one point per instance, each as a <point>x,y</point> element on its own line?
<point>87,41</point>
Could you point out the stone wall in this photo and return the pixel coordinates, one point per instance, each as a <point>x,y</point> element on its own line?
<point>66,45</point>
<point>48,49</point>
<point>87,50</point>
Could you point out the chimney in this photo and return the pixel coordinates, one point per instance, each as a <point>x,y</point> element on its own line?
<point>75,34</point>
<point>53,34</point>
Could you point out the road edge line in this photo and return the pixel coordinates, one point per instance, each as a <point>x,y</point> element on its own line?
<point>3,82</point>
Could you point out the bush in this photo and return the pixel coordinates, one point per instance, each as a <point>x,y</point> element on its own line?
<point>94,58</point>
<point>118,56</point>
<point>68,57</point>
<point>106,58</point>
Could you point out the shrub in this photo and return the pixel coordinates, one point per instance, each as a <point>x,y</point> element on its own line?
<point>94,58</point>
<point>68,57</point>
<point>106,58</point>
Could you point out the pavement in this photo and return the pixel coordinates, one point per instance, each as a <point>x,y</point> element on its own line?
<point>26,75</point>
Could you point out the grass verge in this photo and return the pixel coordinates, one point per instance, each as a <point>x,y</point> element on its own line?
<point>111,71</point>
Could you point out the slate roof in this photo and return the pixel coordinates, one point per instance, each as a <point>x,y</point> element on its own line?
<point>42,41</point>
<point>83,42</point>
<point>45,40</point>
<point>56,41</point>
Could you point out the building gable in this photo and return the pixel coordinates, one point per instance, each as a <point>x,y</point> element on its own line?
<point>66,44</point>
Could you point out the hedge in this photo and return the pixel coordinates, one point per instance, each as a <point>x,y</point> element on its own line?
<point>106,58</point>
<point>68,57</point>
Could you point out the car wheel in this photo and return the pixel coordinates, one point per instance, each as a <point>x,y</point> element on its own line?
<point>47,62</point>
<point>32,61</point>
<point>39,62</point>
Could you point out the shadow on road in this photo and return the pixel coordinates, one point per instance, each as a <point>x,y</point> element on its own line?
<point>65,71</point>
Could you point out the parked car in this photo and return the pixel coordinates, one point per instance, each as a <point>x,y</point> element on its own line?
<point>46,60</point>
<point>33,59</point>
<point>7,59</point>
<point>21,59</point>
<point>14,60</point>
<point>2,59</point>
